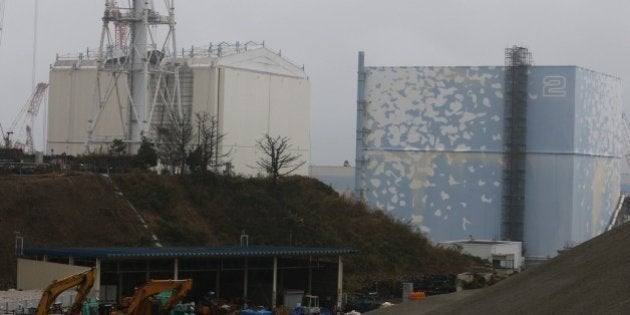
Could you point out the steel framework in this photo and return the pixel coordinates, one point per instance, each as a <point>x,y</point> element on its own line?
<point>133,68</point>
<point>517,62</point>
<point>22,126</point>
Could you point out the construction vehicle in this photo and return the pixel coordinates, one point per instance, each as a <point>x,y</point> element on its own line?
<point>83,281</point>
<point>310,306</point>
<point>141,302</point>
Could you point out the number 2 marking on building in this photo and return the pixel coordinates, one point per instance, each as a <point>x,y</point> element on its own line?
<point>554,86</point>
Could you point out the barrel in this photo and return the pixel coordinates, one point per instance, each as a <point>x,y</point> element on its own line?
<point>417,295</point>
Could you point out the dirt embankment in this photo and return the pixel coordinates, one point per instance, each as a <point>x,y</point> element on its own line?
<point>589,279</point>
<point>211,210</point>
<point>62,210</point>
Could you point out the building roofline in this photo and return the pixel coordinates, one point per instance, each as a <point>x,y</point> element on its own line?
<point>185,252</point>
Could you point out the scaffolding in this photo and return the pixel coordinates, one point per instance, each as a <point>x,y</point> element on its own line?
<point>517,62</point>
<point>136,68</point>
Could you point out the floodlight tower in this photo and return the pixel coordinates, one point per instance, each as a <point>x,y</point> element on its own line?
<point>133,67</point>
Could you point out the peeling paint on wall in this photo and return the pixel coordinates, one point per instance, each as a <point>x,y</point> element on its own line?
<point>432,145</point>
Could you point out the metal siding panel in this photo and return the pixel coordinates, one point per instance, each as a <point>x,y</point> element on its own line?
<point>598,127</point>
<point>551,110</point>
<point>70,97</point>
<point>111,123</point>
<point>257,103</point>
<point>548,203</point>
<point>289,115</point>
<point>431,133</point>
<point>245,116</point>
<point>432,148</point>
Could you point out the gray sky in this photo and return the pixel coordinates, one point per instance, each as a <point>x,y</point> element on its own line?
<point>325,36</point>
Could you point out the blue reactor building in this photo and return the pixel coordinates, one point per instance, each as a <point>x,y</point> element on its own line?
<point>514,152</point>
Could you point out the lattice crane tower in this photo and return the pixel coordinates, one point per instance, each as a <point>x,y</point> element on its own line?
<point>22,126</point>
<point>127,64</point>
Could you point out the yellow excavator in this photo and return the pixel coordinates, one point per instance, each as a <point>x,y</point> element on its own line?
<point>140,303</point>
<point>83,281</point>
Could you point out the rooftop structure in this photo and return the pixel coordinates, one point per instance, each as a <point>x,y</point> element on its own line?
<point>248,89</point>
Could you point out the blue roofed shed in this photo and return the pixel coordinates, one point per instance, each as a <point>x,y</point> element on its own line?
<point>254,274</point>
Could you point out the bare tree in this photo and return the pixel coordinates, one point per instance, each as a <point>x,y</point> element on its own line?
<point>206,153</point>
<point>277,160</point>
<point>173,140</point>
<point>117,147</point>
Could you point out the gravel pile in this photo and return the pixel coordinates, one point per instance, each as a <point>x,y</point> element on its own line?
<point>591,278</point>
<point>14,300</point>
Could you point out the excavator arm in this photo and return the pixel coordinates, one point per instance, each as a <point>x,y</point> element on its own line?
<point>178,294</point>
<point>84,281</point>
<point>140,303</point>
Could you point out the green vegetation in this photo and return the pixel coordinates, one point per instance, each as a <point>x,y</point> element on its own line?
<point>211,210</point>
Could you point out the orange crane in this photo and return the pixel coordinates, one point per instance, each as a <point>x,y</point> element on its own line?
<point>84,281</point>
<point>140,303</point>
<point>121,28</point>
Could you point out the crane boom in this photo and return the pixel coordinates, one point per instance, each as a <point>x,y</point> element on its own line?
<point>140,304</point>
<point>84,280</point>
<point>22,125</point>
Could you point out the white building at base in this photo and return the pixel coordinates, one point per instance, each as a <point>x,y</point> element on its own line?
<point>502,254</point>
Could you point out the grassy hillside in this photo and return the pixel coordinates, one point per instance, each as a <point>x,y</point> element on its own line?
<point>85,210</point>
<point>213,210</point>
<point>62,210</point>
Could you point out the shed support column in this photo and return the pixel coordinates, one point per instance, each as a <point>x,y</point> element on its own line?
<point>310,276</point>
<point>176,269</point>
<point>274,286</point>
<point>120,282</point>
<point>245,274</point>
<point>97,280</point>
<point>147,272</point>
<point>340,284</point>
<point>70,260</point>
<point>217,284</point>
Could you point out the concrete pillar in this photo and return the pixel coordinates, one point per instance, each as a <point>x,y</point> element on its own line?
<point>70,260</point>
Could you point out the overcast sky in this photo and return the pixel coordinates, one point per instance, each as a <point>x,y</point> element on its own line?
<point>325,36</point>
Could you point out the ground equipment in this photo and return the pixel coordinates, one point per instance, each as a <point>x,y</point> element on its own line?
<point>83,281</point>
<point>140,303</point>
